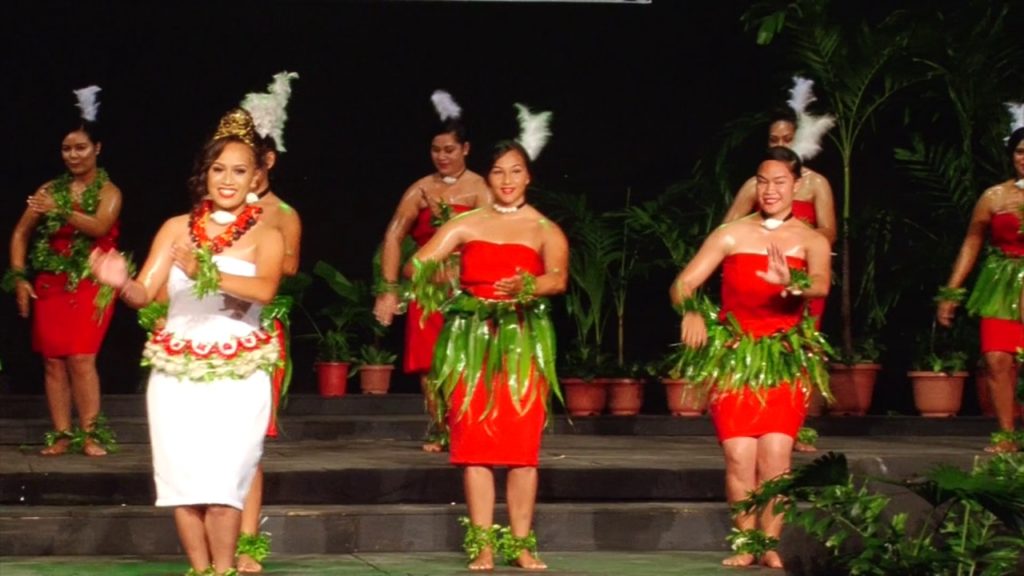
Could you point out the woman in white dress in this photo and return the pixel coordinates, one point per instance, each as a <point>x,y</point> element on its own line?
<point>208,397</point>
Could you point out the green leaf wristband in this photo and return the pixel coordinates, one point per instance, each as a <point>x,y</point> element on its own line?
<point>950,294</point>
<point>799,281</point>
<point>529,287</point>
<point>699,304</point>
<point>11,278</point>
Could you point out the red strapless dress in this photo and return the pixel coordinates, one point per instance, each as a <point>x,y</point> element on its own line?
<point>761,311</point>
<point>65,323</point>
<point>999,334</point>
<point>500,435</point>
<point>420,338</point>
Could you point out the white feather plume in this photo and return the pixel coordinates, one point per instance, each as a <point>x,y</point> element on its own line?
<point>88,102</point>
<point>1016,115</point>
<point>445,105</point>
<point>269,109</point>
<point>801,94</point>
<point>534,130</point>
<point>809,129</point>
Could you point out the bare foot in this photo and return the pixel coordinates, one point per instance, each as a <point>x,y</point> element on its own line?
<point>1004,447</point>
<point>771,559</point>
<point>739,560</point>
<point>59,447</point>
<point>528,561</point>
<point>485,561</point>
<point>433,447</point>
<point>246,564</point>
<point>801,447</point>
<point>92,448</point>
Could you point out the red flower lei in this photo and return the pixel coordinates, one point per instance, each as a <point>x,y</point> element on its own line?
<point>201,215</point>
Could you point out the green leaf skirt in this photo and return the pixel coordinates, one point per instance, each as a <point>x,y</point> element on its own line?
<point>997,292</point>
<point>484,342</point>
<point>733,360</point>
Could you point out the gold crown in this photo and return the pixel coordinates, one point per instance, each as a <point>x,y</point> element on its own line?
<point>237,123</point>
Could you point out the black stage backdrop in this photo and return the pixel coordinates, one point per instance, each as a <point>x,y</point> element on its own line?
<point>638,92</point>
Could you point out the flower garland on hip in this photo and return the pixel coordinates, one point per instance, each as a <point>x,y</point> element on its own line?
<point>207,280</point>
<point>74,261</point>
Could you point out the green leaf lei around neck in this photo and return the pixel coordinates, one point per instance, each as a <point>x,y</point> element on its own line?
<point>75,261</point>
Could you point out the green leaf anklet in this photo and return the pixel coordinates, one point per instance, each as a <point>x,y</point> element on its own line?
<point>255,546</point>
<point>753,541</point>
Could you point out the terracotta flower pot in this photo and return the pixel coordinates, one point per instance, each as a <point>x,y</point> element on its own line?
<point>625,396</point>
<point>938,395</point>
<point>332,378</point>
<point>683,399</point>
<point>852,387</point>
<point>584,397</point>
<point>375,378</point>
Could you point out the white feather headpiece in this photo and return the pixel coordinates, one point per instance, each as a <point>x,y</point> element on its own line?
<point>445,105</point>
<point>809,129</point>
<point>88,103</point>
<point>1016,110</point>
<point>534,130</point>
<point>268,109</point>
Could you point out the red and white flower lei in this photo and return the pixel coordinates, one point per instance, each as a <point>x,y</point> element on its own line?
<point>236,358</point>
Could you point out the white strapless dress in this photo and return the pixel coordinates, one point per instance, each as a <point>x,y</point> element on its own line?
<point>209,396</point>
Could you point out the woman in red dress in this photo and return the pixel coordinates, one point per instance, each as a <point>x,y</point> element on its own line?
<point>71,215</point>
<point>997,214</point>
<point>511,257</point>
<point>760,355</point>
<point>451,189</point>
<point>812,200</point>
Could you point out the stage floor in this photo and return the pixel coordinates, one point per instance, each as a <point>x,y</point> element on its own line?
<point>396,564</point>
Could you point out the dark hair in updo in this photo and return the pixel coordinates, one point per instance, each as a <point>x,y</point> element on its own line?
<point>786,156</point>
<point>75,123</point>
<point>782,115</point>
<point>506,146</point>
<point>207,156</point>
<point>453,126</point>
<point>1013,141</point>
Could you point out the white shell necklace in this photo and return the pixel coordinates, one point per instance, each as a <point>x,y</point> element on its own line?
<point>449,180</point>
<point>507,209</point>
<point>774,223</point>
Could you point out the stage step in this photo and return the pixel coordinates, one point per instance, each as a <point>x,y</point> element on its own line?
<point>128,405</point>
<point>573,468</point>
<point>23,421</point>
<point>636,493</point>
<point>334,529</point>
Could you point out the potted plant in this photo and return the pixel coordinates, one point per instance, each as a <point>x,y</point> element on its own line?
<point>375,365</point>
<point>594,252</point>
<point>672,236</point>
<point>349,316</point>
<point>683,398</point>
<point>333,359</point>
<point>585,395</point>
<point>852,379</point>
<point>854,64</point>
<point>938,373</point>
